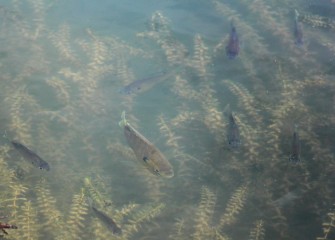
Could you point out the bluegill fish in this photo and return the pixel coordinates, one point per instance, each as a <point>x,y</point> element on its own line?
<point>298,34</point>
<point>295,147</point>
<point>30,156</point>
<point>138,84</point>
<point>233,46</point>
<point>109,222</point>
<point>233,131</point>
<point>146,152</point>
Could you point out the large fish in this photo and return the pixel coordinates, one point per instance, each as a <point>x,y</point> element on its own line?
<point>146,152</point>
<point>233,131</point>
<point>30,156</point>
<point>233,46</point>
<point>138,84</point>
<point>295,147</point>
<point>298,34</point>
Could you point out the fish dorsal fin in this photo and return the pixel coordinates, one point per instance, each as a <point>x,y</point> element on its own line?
<point>227,110</point>
<point>5,134</point>
<point>89,201</point>
<point>6,137</point>
<point>123,121</point>
<point>232,25</point>
<point>296,14</point>
<point>295,127</point>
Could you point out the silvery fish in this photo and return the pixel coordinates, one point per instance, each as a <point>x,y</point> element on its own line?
<point>295,147</point>
<point>109,222</point>
<point>233,46</point>
<point>146,153</point>
<point>137,85</point>
<point>233,132</point>
<point>298,34</point>
<point>30,156</point>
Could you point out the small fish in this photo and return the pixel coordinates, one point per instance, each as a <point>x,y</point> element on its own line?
<point>30,156</point>
<point>233,132</point>
<point>137,85</point>
<point>146,152</point>
<point>298,34</point>
<point>233,47</point>
<point>109,222</point>
<point>296,148</point>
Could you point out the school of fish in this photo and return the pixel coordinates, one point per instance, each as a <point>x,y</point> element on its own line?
<point>148,155</point>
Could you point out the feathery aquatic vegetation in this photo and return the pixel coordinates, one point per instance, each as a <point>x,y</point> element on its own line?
<point>258,232</point>
<point>59,86</point>
<point>46,204</point>
<point>328,227</point>
<point>29,229</point>
<point>75,220</point>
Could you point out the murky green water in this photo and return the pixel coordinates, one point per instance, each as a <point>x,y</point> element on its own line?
<point>62,65</point>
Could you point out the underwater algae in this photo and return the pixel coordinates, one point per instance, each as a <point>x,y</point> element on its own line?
<point>59,94</point>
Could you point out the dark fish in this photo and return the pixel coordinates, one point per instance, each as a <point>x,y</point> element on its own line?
<point>233,47</point>
<point>138,84</point>
<point>295,151</point>
<point>298,34</point>
<point>146,153</point>
<point>233,132</point>
<point>109,222</point>
<point>30,156</point>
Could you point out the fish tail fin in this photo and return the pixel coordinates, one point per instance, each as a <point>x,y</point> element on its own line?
<point>232,25</point>
<point>296,126</point>
<point>123,121</point>
<point>227,111</point>
<point>296,14</point>
<point>89,202</point>
<point>5,136</point>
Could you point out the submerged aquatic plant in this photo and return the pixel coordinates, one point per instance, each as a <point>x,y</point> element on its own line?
<point>59,94</point>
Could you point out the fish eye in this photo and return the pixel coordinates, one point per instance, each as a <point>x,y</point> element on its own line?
<point>145,159</point>
<point>156,171</point>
